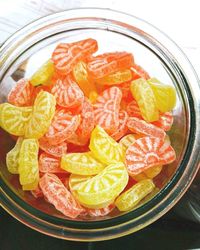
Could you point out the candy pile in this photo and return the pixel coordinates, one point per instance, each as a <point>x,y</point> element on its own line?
<point>90,130</point>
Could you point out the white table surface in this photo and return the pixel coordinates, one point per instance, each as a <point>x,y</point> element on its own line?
<point>180,19</point>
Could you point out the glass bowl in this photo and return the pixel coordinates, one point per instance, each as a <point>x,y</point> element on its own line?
<point>28,48</point>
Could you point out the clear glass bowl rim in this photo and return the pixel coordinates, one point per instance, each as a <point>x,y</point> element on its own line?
<point>166,199</point>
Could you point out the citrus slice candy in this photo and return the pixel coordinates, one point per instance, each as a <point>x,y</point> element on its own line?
<point>122,128</point>
<point>21,94</point>
<point>81,164</point>
<point>49,164</point>
<point>105,186</point>
<point>126,92</point>
<point>133,109</point>
<point>150,173</point>
<point>93,96</point>
<point>139,72</point>
<point>106,109</point>
<point>115,78</point>
<point>67,92</point>
<point>144,96</point>
<point>58,195</point>
<point>165,121</point>
<point>62,127</point>
<point>28,163</point>
<point>67,55</point>
<point>139,126</point>
<point>101,211</point>
<point>104,147</point>
<point>165,95</point>
<point>55,150</point>
<point>14,119</point>
<point>129,199</point>
<point>43,75</point>
<point>43,112</point>
<point>30,186</point>
<point>147,152</point>
<point>12,157</point>
<point>126,141</point>
<point>108,63</point>
<point>81,77</point>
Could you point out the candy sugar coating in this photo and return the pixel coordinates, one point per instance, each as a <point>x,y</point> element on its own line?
<point>67,55</point>
<point>133,109</point>
<point>58,195</point>
<point>82,79</point>
<point>62,126</point>
<point>108,63</point>
<point>55,150</point>
<point>81,164</point>
<point>126,141</point>
<point>14,119</point>
<point>67,92</point>
<point>147,152</point>
<point>12,157</point>
<point>106,109</point>
<point>122,128</point>
<point>115,78</point>
<point>42,114</point>
<point>165,121</point>
<point>49,164</point>
<point>107,185</point>
<point>104,147</point>
<point>43,75</point>
<point>165,95</point>
<point>21,94</point>
<point>129,199</point>
<point>139,126</point>
<point>28,162</point>
<point>144,96</point>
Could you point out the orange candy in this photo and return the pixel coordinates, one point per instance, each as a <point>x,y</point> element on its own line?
<point>21,94</point>
<point>67,92</point>
<point>139,126</point>
<point>49,164</point>
<point>122,128</point>
<point>165,121</point>
<point>133,109</point>
<point>66,55</point>
<point>105,64</point>
<point>147,152</point>
<point>106,109</point>
<point>57,194</point>
<point>62,127</point>
<point>139,72</point>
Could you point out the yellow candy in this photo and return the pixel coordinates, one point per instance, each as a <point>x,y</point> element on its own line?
<point>129,199</point>
<point>126,141</point>
<point>81,77</point>
<point>93,96</point>
<point>14,119</point>
<point>31,186</point>
<point>150,196</point>
<point>43,112</point>
<point>81,163</point>
<point>44,74</point>
<point>12,157</point>
<point>104,147</point>
<point>165,95</point>
<point>104,187</point>
<point>145,98</point>
<point>116,78</point>
<point>149,173</point>
<point>28,163</point>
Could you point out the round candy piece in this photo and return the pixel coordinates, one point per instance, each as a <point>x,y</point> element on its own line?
<point>144,96</point>
<point>67,55</point>
<point>12,157</point>
<point>21,94</point>
<point>14,119</point>
<point>49,164</point>
<point>106,109</point>
<point>105,186</point>
<point>147,152</point>
<point>28,164</point>
<point>104,147</point>
<point>129,199</point>
<point>62,127</point>
<point>43,75</point>
<point>43,112</point>
<point>58,195</point>
<point>81,164</point>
